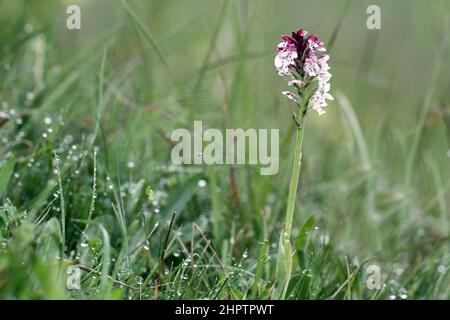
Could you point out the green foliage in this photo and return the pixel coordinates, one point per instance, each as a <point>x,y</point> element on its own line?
<point>5,174</point>
<point>375,179</point>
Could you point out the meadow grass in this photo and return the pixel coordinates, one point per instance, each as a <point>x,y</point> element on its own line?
<point>86,178</point>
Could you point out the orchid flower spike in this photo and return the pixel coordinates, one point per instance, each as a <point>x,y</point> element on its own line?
<point>300,58</point>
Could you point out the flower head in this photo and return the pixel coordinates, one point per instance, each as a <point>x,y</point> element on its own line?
<point>300,57</point>
<point>287,53</point>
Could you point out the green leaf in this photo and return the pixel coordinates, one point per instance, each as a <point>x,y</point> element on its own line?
<point>284,268</point>
<point>150,194</point>
<point>302,237</point>
<point>35,205</point>
<point>259,268</point>
<point>5,174</point>
<point>181,196</point>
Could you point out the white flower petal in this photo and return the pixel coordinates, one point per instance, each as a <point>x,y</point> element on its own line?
<point>278,62</point>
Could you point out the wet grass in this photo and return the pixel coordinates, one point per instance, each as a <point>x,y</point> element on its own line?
<point>86,178</point>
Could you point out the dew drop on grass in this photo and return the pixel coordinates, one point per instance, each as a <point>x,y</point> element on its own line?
<point>48,120</point>
<point>441,268</point>
<point>68,139</point>
<point>324,239</point>
<point>399,271</point>
<point>202,183</point>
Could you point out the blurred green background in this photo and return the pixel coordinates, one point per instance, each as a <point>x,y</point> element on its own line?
<point>375,176</point>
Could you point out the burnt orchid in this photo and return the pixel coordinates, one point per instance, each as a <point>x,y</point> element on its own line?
<point>301,60</point>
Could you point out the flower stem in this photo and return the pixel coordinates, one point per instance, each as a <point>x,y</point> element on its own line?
<point>284,266</point>
<point>294,182</point>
